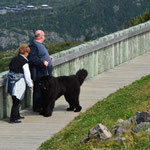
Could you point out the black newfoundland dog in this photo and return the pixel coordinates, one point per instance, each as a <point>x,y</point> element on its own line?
<point>54,87</point>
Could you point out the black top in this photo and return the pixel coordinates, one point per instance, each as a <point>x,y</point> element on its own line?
<point>17,63</point>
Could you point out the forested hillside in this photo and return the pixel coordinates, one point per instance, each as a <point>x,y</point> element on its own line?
<point>68,20</point>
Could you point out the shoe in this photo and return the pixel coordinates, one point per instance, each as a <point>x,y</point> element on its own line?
<point>14,121</point>
<point>20,117</point>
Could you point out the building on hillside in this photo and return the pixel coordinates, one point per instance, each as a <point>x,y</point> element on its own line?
<point>30,7</point>
<point>45,6</point>
<point>18,9</point>
<point>3,11</point>
<point>12,7</point>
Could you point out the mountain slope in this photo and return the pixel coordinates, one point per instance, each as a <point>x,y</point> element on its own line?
<point>69,20</point>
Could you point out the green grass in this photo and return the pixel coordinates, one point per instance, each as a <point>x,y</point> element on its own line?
<point>122,104</point>
<point>5,58</point>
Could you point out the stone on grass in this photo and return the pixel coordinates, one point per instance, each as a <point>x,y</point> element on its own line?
<point>143,116</point>
<point>143,126</point>
<point>100,132</point>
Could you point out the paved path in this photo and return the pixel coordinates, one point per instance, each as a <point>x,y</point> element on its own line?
<point>36,129</point>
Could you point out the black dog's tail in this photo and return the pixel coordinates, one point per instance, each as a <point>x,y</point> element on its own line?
<point>81,74</point>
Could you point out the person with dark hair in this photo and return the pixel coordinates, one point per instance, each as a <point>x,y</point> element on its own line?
<point>18,76</point>
<point>40,64</point>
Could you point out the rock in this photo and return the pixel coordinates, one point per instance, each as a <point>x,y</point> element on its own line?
<point>119,131</point>
<point>85,140</point>
<point>121,127</point>
<point>141,122</point>
<point>100,132</point>
<point>143,116</point>
<point>142,126</point>
<point>133,119</point>
<point>119,121</point>
<point>147,131</point>
<point>126,124</point>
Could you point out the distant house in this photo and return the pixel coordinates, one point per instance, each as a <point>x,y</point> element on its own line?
<point>30,6</point>
<point>12,7</point>
<point>7,8</point>
<point>18,9</point>
<point>22,7</point>
<point>3,11</point>
<point>45,6</point>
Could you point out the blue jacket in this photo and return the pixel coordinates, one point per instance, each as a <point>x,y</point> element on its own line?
<point>15,84</point>
<point>38,54</point>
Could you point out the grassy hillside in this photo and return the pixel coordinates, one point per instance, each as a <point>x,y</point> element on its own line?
<point>122,104</point>
<point>138,20</point>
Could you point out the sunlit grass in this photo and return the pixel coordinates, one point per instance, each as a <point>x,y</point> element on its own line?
<point>122,104</point>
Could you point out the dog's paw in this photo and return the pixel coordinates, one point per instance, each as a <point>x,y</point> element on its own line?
<point>70,109</point>
<point>41,113</point>
<point>47,115</point>
<point>78,109</point>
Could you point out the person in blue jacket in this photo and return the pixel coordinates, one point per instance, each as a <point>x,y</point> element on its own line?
<point>40,63</point>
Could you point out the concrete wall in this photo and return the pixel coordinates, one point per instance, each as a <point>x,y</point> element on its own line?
<point>96,56</point>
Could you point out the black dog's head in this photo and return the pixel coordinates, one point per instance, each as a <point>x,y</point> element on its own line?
<point>46,83</point>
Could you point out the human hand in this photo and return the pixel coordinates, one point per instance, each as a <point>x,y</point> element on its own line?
<point>46,63</point>
<point>31,87</point>
<point>52,58</point>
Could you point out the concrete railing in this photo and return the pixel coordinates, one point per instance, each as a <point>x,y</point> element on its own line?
<point>96,56</point>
